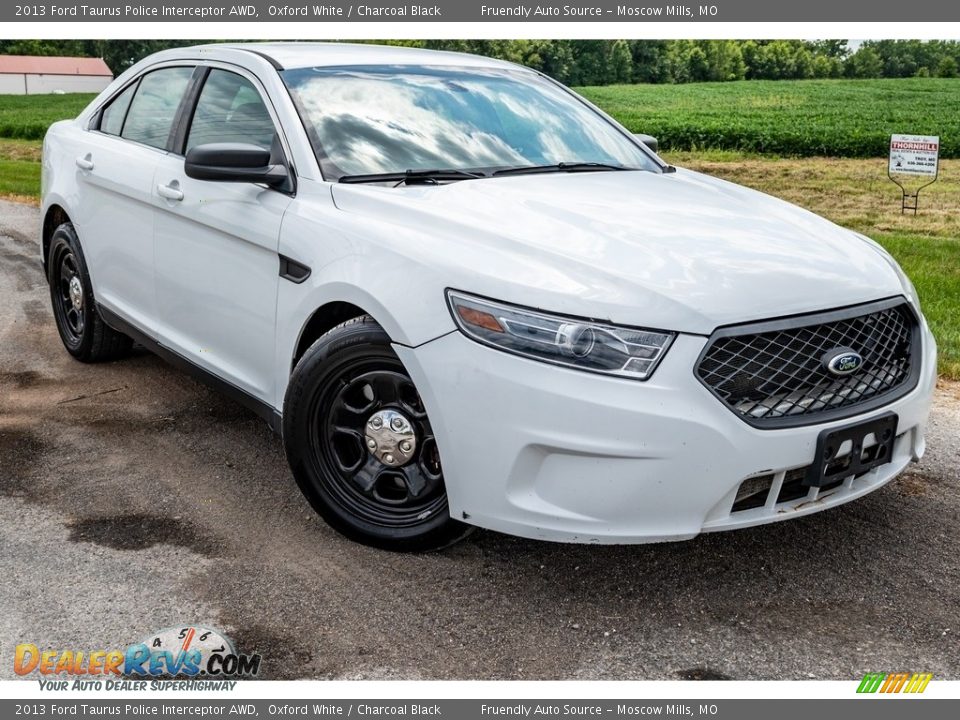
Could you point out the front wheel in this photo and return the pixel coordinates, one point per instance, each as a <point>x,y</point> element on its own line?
<point>361,446</point>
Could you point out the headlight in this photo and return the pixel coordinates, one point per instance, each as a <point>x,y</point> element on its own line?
<point>572,342</point>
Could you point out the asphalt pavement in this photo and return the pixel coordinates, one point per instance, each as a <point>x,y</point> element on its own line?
<point>133,498</point>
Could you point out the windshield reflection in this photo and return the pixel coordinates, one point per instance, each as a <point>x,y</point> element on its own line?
<point>385,119</point>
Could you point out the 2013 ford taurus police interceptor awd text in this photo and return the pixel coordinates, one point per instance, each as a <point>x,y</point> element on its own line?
<point>467,297</point>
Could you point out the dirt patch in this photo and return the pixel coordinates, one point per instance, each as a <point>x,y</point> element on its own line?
<point>21,150</point>
<point>702,673</point>
<point>140,532</point>
<point>28,272</point>
<point>912,484</point>
<point>21,379</point>
<point>22,199</point>
<point>282,657</point>
<point>949,387</point>
<point>19,451</point>
<point>37,311</point>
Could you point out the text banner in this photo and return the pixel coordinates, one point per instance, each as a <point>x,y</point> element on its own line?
<point>334,11</point>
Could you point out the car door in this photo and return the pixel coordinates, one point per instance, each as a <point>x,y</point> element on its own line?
<point>114,213</point>
<point>216,243</point>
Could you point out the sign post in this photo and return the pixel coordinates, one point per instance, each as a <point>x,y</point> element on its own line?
<point>913,155</point>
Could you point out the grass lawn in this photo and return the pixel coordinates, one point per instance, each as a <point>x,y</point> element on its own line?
<point>20,170</point>
<point>934,266</point>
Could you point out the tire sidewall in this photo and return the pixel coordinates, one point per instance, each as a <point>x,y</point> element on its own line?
<point>320,366</point>
<point>63,241</point>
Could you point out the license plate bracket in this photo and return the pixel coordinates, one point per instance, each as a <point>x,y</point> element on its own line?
<point>829,466</point>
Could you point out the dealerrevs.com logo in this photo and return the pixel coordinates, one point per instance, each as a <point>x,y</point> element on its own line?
<point>177,653</point>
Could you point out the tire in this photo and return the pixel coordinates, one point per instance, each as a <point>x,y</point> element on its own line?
<point>346,382</point>
<point>82,330</point>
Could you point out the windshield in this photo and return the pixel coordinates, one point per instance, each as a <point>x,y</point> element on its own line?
<point>390,119</point>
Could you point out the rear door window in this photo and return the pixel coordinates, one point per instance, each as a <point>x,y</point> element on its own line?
<point>111,121</point>
<point>154,106</point>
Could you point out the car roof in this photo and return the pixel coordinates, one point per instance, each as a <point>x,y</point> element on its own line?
<point>290,55</point>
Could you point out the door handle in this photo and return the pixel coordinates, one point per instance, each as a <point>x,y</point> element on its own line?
<point>171,191</point>
<point>85,162</point>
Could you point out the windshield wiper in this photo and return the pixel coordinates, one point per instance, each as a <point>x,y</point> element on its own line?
<point>413,177</point>
<point>561,167</point>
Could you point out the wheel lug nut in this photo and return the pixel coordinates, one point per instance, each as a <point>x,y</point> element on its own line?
<point>372,444</point>
<point>388,458</point>
<point>405,446</point>
<point>377,422</point>
<point>397,424</point>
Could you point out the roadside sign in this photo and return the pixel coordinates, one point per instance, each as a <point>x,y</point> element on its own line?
<point>917,156</point>
<point>914,154</point>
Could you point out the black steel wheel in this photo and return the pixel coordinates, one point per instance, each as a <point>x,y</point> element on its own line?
<point>82,330</point>
<point>361,445</point>
<point>392,495</point>
<point>68,297</point>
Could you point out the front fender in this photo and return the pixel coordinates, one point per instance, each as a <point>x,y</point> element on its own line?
<point>358,261</point>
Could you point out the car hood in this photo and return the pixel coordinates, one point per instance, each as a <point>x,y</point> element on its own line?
<point>678,251</point>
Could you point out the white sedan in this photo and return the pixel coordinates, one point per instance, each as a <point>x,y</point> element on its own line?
<point>467,297</point>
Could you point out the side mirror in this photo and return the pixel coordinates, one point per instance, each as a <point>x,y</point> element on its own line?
<point>649,140</point>
<point>233,162</point>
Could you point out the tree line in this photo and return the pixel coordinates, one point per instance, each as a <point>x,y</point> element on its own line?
<point>606,62</point>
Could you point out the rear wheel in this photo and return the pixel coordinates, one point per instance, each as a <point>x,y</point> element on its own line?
<point>361,445</point>
<point>82,330</point>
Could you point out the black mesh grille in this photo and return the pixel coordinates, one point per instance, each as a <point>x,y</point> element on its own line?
<point>778,376</point>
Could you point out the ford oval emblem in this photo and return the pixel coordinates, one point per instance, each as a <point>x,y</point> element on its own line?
<point>843,361</point>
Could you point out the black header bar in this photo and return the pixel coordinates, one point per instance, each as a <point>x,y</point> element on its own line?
<point>338,11</point>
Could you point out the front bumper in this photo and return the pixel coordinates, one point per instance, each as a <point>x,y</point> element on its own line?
<point>544,452</point>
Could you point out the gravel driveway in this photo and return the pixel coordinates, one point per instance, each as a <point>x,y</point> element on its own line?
<point>133,499</point>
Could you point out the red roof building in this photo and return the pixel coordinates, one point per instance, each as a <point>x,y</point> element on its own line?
<point>34,74</point>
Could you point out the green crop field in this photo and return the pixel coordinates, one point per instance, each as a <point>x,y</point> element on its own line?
<point>842,118</point>
<point>27,117</point>
<point>767,135</point>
